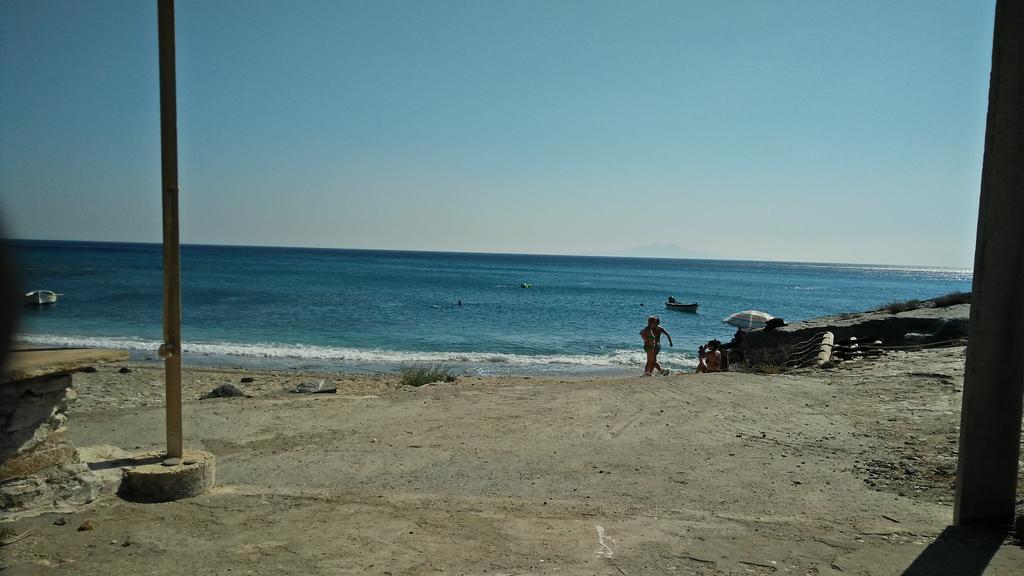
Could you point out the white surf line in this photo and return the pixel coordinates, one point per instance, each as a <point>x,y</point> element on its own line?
<point>604,550</point>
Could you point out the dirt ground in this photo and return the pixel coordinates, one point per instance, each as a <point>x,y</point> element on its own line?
<point>848,470</point>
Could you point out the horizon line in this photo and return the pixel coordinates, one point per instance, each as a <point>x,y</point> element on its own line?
<point>491,253</point>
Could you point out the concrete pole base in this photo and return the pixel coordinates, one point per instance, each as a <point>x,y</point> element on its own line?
<point>169,478</point>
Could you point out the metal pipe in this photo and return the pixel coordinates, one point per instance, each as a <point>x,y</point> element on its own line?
<point>171,348</point>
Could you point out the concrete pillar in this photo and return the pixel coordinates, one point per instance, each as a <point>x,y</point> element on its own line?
<point>824,356</point>
<point>990,423</point>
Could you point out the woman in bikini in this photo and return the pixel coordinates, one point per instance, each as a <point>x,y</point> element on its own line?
<point>710,357</point>
<point>652,344</point>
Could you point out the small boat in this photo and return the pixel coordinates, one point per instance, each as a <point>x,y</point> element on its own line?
<point>673,304</point>
<point>40,297</point>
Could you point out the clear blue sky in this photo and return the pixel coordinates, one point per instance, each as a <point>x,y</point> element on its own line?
<point>816,130</point>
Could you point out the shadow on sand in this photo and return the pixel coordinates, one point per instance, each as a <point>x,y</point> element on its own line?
<point>958,551</point>
<point>123,462</point>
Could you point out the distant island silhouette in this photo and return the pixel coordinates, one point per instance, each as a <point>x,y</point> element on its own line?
<point>662,251</point>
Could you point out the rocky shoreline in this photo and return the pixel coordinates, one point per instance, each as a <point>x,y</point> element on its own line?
<point>921,327</point>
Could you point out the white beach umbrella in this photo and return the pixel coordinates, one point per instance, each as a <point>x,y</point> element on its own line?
<point>748,319</point>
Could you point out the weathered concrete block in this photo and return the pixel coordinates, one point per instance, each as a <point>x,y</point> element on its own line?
<point>12,444</point>
<point>29,403</point>
<point>39,469</point>
<point>37,460</point>
<point>32,412</point>
<point>172,479</point>
<point>62,488</point>
<point>38,386</point>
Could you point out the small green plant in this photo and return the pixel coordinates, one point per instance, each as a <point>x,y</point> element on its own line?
<point>897,307</point>
<point>422,374</point>
<point>952,299</point>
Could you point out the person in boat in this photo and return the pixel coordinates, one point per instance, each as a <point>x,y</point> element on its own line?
<point>672,300</point>
<point>709,357</point>
<point>651,335</point>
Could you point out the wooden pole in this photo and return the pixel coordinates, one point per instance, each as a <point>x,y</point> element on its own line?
<point>171,348</point>
<point>990,418</point>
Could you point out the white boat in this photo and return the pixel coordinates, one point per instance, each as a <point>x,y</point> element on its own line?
<point>672,304</point>
<point>40,297</point>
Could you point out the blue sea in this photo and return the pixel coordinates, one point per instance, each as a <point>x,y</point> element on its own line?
<point>368,310</point>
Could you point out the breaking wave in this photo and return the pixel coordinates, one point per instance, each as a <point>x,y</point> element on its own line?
<point>358,356</point>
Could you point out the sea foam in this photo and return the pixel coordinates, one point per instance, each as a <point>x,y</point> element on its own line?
<point>358,356</point>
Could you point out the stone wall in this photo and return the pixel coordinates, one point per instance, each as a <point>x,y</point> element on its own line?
<point>39,468</point>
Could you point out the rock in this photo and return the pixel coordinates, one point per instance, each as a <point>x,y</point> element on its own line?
<point>315,387</point>
<point>124,370</point>
<point>226,391</point>
<point>89,369</point>
<point>63,488</point>
<point>51,452</point>
<point>943,323</point>
<point>86,526</point>
<point>60,521</point>
<point>247,379</point>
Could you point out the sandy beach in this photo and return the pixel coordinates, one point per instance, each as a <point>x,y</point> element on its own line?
<point>527,202</point>
<point>848,470</point>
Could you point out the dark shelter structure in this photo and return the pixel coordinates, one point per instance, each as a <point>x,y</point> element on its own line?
<point>990,425</point>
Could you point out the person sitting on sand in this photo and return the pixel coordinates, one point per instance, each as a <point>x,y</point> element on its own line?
<point>652,344</point>
<point>710,358</point>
